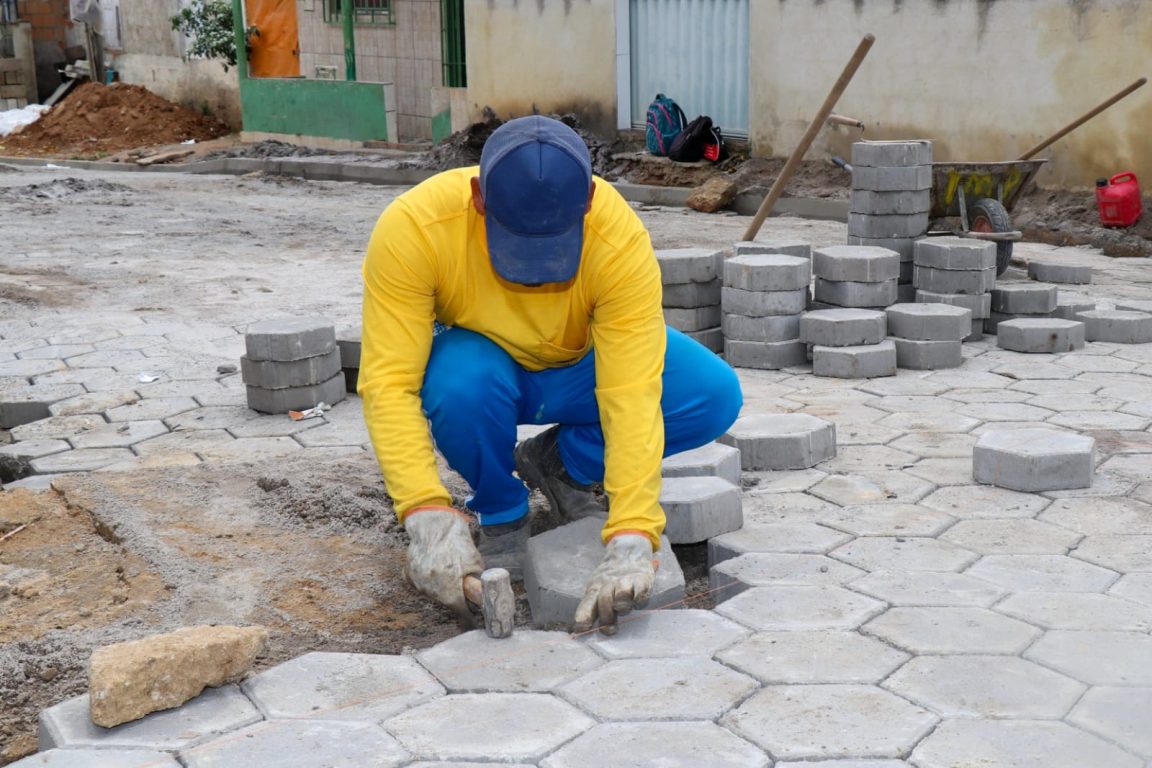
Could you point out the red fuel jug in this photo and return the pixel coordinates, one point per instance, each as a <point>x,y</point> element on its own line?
<point>1119,200</point>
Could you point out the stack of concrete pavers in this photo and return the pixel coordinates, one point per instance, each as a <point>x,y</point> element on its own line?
<point>928,336</point>
<point>855,276</point>
<point>1070,305</point>
<point>1011,301</point>
<point>891,198</point>
<point>1064,274</point>
<point>291,364</point>
<point>848,343</point>
<point>1118,326</point>
<point>957,271</point>
<point>763,296</point>
<point>348,340</point>
<point>782,247</point>
<point>559,563</point>
<point>1034,460</point>
<point>779,441</point>
<point>700,493</point>
<point>1042,335</point>
<point>691,278</point>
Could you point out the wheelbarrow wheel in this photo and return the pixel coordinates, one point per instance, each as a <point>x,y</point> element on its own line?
<point>988,215</point>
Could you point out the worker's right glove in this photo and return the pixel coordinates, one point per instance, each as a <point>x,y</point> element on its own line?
<point>621,582</point>
<point>441,554</point>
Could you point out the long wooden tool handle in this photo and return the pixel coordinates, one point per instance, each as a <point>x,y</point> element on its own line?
<point>809,136</point>
<point>1080,121</point>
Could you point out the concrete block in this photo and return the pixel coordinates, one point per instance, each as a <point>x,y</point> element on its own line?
<point>82,460</point>
<point>765,355</point>
<point>1024,298</point>
<point>689,265</point>
<point>798,248</point>
<point>863,362</point>
<point>891,154</point>
<point>909,178</point>
<point>709,460</point>
<point>854,294</point>
<point>784,539</point>
<point>781,441</point>
<point>348,340</point>
<point>735,301</point>
<point>1132,305</point>
<point>907,271</point>
<point>893,225</point>
<point>843,327</point>
<point>767,328</point>
<point>695,319</point>
<point>276,374</point>
<point>711,338</point>
<point>664,744</point>
<point>526,661</point>
<point>767,272</point>
<point>979,304</point>
<point>1034,460</point>
<point>1069,306</point>
<point>957,253</point>
<point>905,246</point>
<point>98,758</point>
<point>698,508</point>
<point>928,322</point>
<point>954,280</point>
<point>1045,335</point>
<point>888,203</point>
<point>1053,744</point>
<point>289,338</point>
<point>977,331</point>
<point>286,742</point>
<point>692,295</point>
<point>1117,326</point>
<point>855,263</point>
<point>921,355</point>
<point>905,292</point>
<point>559,563</point>
<point>1051,272</point>
<point>656,634</point>
<point>331,392</point>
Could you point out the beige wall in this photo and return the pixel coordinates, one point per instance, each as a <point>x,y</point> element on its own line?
<point>556,54</point>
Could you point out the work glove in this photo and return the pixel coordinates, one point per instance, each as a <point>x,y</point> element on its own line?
<point>621,582</point>
<point>441,554</point>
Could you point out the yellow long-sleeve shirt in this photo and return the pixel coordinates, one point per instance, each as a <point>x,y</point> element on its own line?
<point>428,259</point>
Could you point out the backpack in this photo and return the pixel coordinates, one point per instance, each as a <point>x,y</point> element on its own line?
<point>698,141</point>
<point>664,123</point>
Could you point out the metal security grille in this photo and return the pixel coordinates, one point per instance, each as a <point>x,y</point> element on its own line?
<point>366,11</point>
<point>452,43</point>
<point>695,51</point>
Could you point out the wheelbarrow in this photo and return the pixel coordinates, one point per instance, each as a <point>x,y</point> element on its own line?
<point>980,195</point>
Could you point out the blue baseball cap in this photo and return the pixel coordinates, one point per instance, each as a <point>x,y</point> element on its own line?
<point>535,176</point>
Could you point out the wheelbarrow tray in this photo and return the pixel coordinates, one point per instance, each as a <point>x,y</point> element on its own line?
<point>1005,182</point>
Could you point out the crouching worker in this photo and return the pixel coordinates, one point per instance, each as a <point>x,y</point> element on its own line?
<point>550,291</point>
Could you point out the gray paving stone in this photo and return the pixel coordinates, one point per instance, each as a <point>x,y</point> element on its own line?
<point>30,368</point>
<point>785,246</point>
<point>297,398</point>
<point>668,745</point>
<point>1040,335</point>
<point>1034,460</point>
<point>764,355</point>
<point>709,460</point>
<point>825,721</point>
<point>84,460</point>
<point>33,483</point>
<point>668,634</point>
<point>183,442</point>
<point>979,304</point>
<point>846,764</point>
<point>1011,537</point>
<point>1123,553</point>
<point>276,374</point>
<point>813,658</point>
<point>944,471</point>
<point>294,744</point>
<point>689,265</point>
<point>691,295</point>
<point>781,538</point>
<point>15,458</point>
<point>248,450</point>
<point>329,435</point>
<point>764,569</point>
<point>784,508</point>
<point>280,426</point>
<point>348,340</point>
<point>955,253</point>
<point>888,520</point>
<point>928,355</point>
<point>901,245</point>
<point>892,179</point>
<point>887,203</point>
<point>505,727</point>
<point>928,588</point>
<point>692,320</point>
<point>528,661</point>
<point>1134,305</point>
<point>891,154</point>
<point>289,338</point>
<point>1069,307</point>
<point>791,608</point>
<point>856,294</point>
<point>1134,586</point>
<point>559,563</point>
<point>952,630</point>
<point>1123,715</point>
<point>698,508</point>
<point>118,435</point>
<point>54,352</point>
<point>1055,272</point>
<point>1078,611</point>
<point>781,441</point>
<point>151,408</point>
<point>971,282</point>
<point>135,341</point>
<point>96,402</point>
<point>1136,465</point>
<point>843,327</point>
<point>855,263</point>
<point>1117,326</point>
<point>735,301</point>
<point>887,225</point>
<point>876,553</point>
<point>768,328</point>
<point>341,686</point>
<point>1016,744</point>
<point>1096,657</point>
<point>211,417</point>
<point>1075,402</point>
<point>30,402</point>
<point>792,481</point>
<point>1042,573</point>
<point>674,689</point>
<point>215,711</point>
<point>985,686</point>
<point>868,458</point>
<point>855,362</point>
<point>850,490</point>
<point>98,758</point>
<point>1023,298</point>
<point>768,272</point>
<point>1095,516</point>
<point>928,322</point>
<point>937,426</point>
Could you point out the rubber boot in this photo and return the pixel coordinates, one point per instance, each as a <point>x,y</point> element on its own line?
<point>539,465</point>
<point>504,546</point>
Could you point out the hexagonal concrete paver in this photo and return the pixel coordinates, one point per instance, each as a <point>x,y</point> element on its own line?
<point>826,721</point>
<point>500,727</point>
<point>1005,412</point>
<point>903,385</point>
<point>1135,465</point>
<point>668,745</point>
<point>1123,715</point>
<point>151,408</point>
<point>872,488</point>
<point>1075,402</point>
<point>1097,658</point>
<point>1094,516</point>
<point>865,434</point>
<point>972,502</point>
<point>1034,371</point>
<point>1042,573</point>
<point>949,630</point>
<point>120,435</point>
<point>660,634</point>
<point>55,352</point>
<point>783,508</point>
<point>341,686</point>
<point>1087,420</point>
<point>1016,744</point>
<point>83,460</point>
<point>877,553</point>
<point>889,520</point>
<point>527,661</point>
<point>1123,553</point>
<point>799,608</point>
<point>941,422</point>
<point>110,358</point>
<point>867,458</point>
<point>292,744</point>
<point>813,657</point>
<point>671,689</point>
<point>57,427</point>
<point>783,481</point>
<point>908,403</point>
<point>938,445</point>
<point>928,588</point>
<point>943,472</point>
<point>789,538</point>
<point>1134,586</point>
<point>184,442</point>
<point>979,395</point>
<point>1078,610</point>
<point>765,569</point>
<point>985,686</point>
<point>1011,537</point>
<point>95,402</point>
<point>249,449</point>
<point>212,417</point>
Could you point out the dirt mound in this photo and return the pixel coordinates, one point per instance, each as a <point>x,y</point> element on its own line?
<point>270,148</point>
<point>1071,218</point>
<point>63,189</point>
<point>98,119</point>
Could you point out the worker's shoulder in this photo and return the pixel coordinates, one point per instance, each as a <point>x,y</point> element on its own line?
<point>612,218</point>
<point>444,196</point>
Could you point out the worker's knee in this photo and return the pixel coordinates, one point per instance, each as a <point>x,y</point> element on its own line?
<point>467,375</point>
<point>725,397</point>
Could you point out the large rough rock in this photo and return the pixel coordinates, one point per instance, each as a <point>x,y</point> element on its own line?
<point>129,680</point>
<point>716,193</point>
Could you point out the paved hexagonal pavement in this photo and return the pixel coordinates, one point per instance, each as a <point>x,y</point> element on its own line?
<point>659,634</point>
<point>526,661</point>
<point>799,608</point>
<point>1123,715</point>
<point>943,630</point>
<point>668,745</point>
<point>813,657</point>
<point>1017,744</point>
<point>1097,657</point>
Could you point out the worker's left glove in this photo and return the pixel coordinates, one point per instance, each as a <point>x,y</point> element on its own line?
<point>621,582</point>
<point>440,554</point>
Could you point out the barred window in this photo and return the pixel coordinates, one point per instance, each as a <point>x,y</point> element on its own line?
<point>365,11</point>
